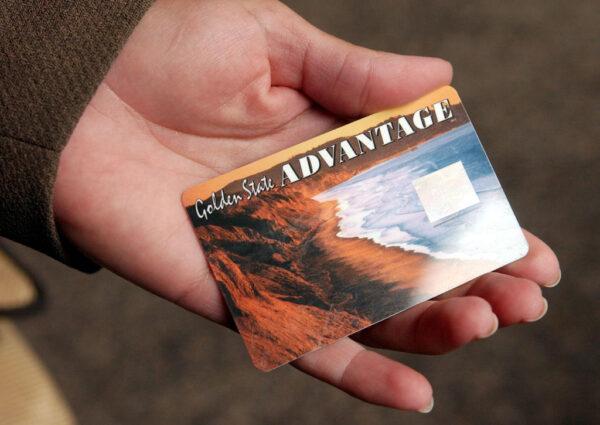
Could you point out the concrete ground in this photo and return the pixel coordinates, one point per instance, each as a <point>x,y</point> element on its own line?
<point>528,73</point>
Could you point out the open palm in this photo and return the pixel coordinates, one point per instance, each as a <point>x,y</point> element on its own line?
<point>202,87</point>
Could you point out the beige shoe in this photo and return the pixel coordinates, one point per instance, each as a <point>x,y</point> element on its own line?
<point>27,393</point>
<point>17,290</point>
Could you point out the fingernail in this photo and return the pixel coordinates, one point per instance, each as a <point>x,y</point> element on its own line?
<point>493,329</point>
<point>543,313</point>
<point>427,408</point>
<point>552,285</point>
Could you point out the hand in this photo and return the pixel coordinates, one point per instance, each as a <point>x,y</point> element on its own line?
<point>202,87</point>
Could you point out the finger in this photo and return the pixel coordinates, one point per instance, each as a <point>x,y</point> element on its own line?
<point>540,264</point>
<point>353,81</point>
<point>513,299</point>
<point>434,327</point>
<point>368,376</point>
<point>343,78</point>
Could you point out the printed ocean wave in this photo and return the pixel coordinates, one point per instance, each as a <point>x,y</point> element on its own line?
<point>381,204</point>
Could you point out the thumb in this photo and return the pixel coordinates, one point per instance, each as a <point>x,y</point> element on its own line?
<point>350,80</point>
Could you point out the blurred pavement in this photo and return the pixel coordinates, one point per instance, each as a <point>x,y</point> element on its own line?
<point>528,73</point>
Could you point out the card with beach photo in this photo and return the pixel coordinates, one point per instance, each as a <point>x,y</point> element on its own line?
<point>337,233</point>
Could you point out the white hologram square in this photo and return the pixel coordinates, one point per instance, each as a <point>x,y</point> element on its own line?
<point>445,192</point>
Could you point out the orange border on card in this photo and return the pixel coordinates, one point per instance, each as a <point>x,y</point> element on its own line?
<point>204,190</point>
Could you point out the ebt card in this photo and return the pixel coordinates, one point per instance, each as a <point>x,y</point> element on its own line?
<point>332,235</point>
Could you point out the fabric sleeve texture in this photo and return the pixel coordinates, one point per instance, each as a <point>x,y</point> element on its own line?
<point>53,56</point>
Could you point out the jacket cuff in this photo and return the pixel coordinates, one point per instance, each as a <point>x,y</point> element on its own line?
<point>26,176</point>
<point>53,56</point>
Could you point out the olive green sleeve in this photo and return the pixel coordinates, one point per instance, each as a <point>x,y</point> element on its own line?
<point>53,56</point>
